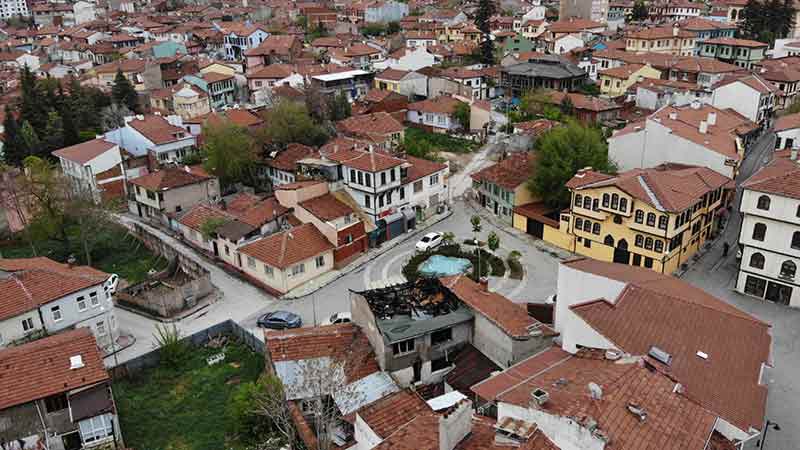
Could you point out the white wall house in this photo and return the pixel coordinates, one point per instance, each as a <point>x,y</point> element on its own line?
<point>388,11</point>
<point>787,131</point>
<point>83,162</point>
<point>14,8</point>
<point>770,234</point>
<point>750,96</point>
<point>408,59</point>
<point>165,137</point>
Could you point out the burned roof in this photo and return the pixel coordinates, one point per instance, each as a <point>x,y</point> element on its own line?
<point>414,308</point>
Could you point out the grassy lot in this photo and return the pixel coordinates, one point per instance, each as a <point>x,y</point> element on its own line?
<point>169,408</point>
<point>115,252</point>
<point>440,142</point>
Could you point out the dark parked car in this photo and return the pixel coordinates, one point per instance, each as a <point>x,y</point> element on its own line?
<point>280,320</point>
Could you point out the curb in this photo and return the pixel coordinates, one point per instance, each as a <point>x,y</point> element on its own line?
<point>162,319</point>
<point>351,269</point>
<point>133,341</point>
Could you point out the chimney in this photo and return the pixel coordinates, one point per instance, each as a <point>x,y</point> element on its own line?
<point>71,261</point>
<point>675,30</point>
<point>703,127</point>
<point>455,425</point>
<point>484,283</point>
<point>673,115</point>
<point>712,118</point>
<point>793,154</point>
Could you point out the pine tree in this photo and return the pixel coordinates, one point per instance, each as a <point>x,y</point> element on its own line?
<point>13,153</point>
<point>123,92</point>
<point>33,105</point>
<point>639,12</point>
<point>29,140</point>
<point>486,9</point>
<point>53,136</point>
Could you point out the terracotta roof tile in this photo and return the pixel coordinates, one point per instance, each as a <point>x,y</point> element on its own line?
<point>420,433</point>
<point>781,176</point>
<point>439,105</point>
<point>289,247</point>
<point>422,168</point>
<point>286,159</point>
<point>86,151</point>
<point>157,129</point>
<point>370,125</point>
<point>391,74</point>
<point>326,207</point>
<point>735,42</point>
<point>169,178</point>
<point>393,411</point>
<point>371,161</point>
<point>509,173</point>
<point>42,368</point>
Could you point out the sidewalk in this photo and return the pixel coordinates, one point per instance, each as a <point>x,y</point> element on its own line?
<point>321,281</point>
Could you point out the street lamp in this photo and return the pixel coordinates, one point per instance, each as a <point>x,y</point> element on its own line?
<point>769,424</point>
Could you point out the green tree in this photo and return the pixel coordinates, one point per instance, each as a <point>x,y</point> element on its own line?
<point>339,107</point>
<point>123,92</point>
<point>53,136</point>
<point>767,20</point>
<point>392,28</point>
<point>639,12</point>
<point>229,152</point>
<point>33,107</point>
<point>476,225</point>
<point>290,122</point>
<point>46,189</point>
<point>462,115</point>
<point>486,9</point>
<point>566,106</point>
<point>493,241</point>
<point>210,226</point>
<point>563,151</point>
<point>533,103</point>
<point>13,149</point>
<point>29,139</point>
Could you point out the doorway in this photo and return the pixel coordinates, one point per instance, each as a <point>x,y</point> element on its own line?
<point>621,253</point>
<point>216,248</point>
<point>778,293</point>
<point>535,228</point>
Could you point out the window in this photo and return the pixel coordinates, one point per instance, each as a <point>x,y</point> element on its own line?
<point>759,231</point>
<point>755,286</point>
<point>639,241</point>
<point>788,269</point>
<point>587,243</point>
<point>606,200</point>
<point>439,364</point>
<point>659,246</point>
<point>595,205</point>
<point>383,178</point>
<point>648,243</point>
<point>403,347</point>
<point>441,336</point>
<point>319,261</point>
<point>402,192</point>
<point>368,179</point>
<point>56,403</point>
<point>587,203</point>
<point>298,269</point>
<point>360,176</point>
<point>623,205</point>
<point>367,201</point>
<point>81,303</point>
<point>578,200</point>
<point>578,223</point>
<point>56,311</point>
<point>352,176</point>
<point>94,300</point>
<point>638,216</point>
<point>418,186</point>
<point>614,201</point>
<point>757,261</point>
<point>587,226</point>
<point>27,324</point>
<point>763,203</point>
<point>596,228</point>
<point>392,175</point>
<point>663,221</point>
<point>434,179</point>
<point>251,262</point>
<point>96,428</point>
<point>796,240</point>
<point>651,219</point>
<point>269,271</point>
<point>101,328</point>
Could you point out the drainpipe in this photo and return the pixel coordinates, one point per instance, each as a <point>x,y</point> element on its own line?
<point>44,427</point>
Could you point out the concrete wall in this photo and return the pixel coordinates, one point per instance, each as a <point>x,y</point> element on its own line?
<point>282,280</point>
<point>72,317</point>
<point>565,432</point>
<point>11,328</point>
<point>165,301</point>
<point>185,197</point>
<point>363,317</point>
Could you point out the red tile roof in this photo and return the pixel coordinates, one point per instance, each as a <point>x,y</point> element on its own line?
<point>658,310</point>
<point>86,151</point>
<point>422,168</point>
<point>393,411</point>
<point>439,105</point>
<point>482,437</point>
<point>200,214</point>
<point>157,129</point>
<point>781,176</point>
<point>787,122</point>
<point>42,368</point>
<point>510,317</point>
<point>509,173</point>
<point>391,74</point>
<point>289,247</point>
<point>275,44</point>
<point>419,433</point>
<point>735,42</point>
<point>378,124</point>
<point>370,161</point>
<point>169,178</point>
<point>286,159</point>
<point>326,207</point>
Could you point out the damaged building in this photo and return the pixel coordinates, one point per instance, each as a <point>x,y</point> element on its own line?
<point>417,328</point>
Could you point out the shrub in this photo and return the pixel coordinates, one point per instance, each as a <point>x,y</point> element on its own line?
<point>173,350</point>
<point>515,267</point>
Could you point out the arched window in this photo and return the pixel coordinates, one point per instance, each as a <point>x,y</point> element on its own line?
<point>595,204</point>
<point>606,200</point>
<point>663,221</point>
<point>587,225</point>
<point>757,261</point>
<point>638,216</point>
<point>596,228</point>
<point>639,241</point>
<point>796,240</point>
<point>788,269</point>
<point>623,204</point>
<point>759,231</point>
<point>609,240</point>
<point>578,223</point>
<point>659,246</point>
<point>648,243</point>
<point>651,219</point>
<point>614,201</point>
<point>587,202</point>
<point>578,200</point>
<point>763,203</point>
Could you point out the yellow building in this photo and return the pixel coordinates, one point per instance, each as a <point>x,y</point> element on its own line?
<point>655,218</point>
<point>615,82</point>
<point>667,40</point>
<point>389,80</point>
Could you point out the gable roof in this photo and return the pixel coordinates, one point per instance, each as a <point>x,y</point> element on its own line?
<point>391,412</point>
<point>289,247</point>
<point>326,207</point>
<point>157,129</point>
<point>658,310</point>
<point>377,124</point>
<point>42,368</point>
<point>287,158</point>
<point>509,173</point>
<point>421,168</point>
<point>370,161</point>
<point>787,122</point>
<point>781,176</point>
<point>85,151</point>
<point>169,178</point>
<point>444,104</point>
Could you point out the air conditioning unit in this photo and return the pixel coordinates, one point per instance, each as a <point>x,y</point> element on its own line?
<point>540,396</point>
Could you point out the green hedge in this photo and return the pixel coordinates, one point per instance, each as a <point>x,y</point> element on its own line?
<point>489,263</point>
<point>516,268</point>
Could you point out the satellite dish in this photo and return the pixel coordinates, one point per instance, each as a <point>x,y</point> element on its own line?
<point>595,391</point>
